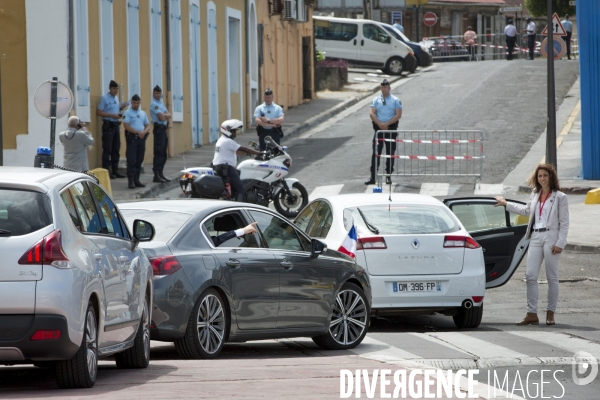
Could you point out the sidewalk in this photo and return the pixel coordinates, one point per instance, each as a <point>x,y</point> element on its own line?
<point>362,83</point>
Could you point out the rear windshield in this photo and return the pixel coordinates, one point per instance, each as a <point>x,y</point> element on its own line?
<point>403,219</point>
<point>23,212</point>
<point>166,223</point>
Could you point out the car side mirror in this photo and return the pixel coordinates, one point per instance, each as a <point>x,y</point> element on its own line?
<point>389,39</point>
<point>143,231</point>
<point>317,247</point>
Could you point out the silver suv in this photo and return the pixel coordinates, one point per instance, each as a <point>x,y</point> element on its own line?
<point>74,285</point>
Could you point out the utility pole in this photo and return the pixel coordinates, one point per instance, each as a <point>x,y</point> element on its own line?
<point>551,127</point>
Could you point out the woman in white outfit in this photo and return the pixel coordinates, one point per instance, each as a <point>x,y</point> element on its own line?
<point>548,212</point>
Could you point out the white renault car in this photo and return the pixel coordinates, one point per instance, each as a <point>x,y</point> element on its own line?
<point>423,256</point>
<point>74,285</point>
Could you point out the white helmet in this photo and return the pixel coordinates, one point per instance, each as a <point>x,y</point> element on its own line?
<point>230,127</point>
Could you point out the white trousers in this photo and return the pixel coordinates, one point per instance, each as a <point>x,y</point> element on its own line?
<point>540,250</point>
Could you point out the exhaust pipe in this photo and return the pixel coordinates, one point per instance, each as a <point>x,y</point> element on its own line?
<point>467,304</point>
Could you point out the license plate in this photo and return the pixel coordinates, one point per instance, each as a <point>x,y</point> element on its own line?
<point>401,287</point>
<point>188,187</point>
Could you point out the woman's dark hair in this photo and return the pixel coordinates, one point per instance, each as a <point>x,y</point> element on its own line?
<point>553,177</point>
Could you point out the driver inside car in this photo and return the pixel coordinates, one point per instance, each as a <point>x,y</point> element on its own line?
<point>225,159</point>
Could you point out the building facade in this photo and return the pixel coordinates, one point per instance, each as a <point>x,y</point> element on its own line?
<point>204,55</point>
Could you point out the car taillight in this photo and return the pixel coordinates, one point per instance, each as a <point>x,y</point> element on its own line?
<point>477,299</point>
<point>371,243</point>
<point>46,251</point>
<point>461,241</point>
<point>46,335</point>
<point>164,265</point>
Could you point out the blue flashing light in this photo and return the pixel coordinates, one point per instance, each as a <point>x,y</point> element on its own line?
<point>44,150</point>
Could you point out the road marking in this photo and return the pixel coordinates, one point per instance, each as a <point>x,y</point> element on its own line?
<point>562,341</point>
<point>477,347</point>
<point>435,189</point>
<point>487,188</point>
<point>374,349</point>
<point>322,191</point>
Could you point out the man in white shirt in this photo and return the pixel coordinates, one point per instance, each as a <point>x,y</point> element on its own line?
<point>225,159</point>
<point>530,36</point>
<point>511,38</point>
<point>568,25</point>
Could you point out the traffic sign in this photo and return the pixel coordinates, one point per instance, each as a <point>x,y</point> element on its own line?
<point>511,9</point>
<point>557,27</point>
<point>559,47</point>
<point>430,19</point>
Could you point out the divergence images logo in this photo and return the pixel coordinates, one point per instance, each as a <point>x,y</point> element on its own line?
<point>584,368</point>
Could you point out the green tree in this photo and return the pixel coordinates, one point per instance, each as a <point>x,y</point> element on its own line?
<point>539,8</point>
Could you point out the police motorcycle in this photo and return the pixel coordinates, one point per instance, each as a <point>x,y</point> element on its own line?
<point>264,180</point>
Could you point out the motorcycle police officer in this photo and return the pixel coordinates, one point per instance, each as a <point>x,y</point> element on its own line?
<point>137,127</point>
<point>225,159</point>
<point>160,118</point>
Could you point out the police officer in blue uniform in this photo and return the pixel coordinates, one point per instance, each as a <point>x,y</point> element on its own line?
<point>268,117</point>
<point>110,111</point>
<point>160,118</point>
<point>137,127</point>
<point>386,111</point>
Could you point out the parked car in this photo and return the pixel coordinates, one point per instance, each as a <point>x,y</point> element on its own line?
<point>446,49</point>
<point>423,256</point>
<point>363,43</point>
<point>65,299</point>
<point>275,283</point>
<point>421,52</point>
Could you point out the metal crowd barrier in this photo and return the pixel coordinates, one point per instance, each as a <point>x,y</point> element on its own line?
<point>486,47</point>
<point>433,153</point>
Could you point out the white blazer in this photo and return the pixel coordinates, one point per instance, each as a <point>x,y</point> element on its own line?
<point>558,218</point>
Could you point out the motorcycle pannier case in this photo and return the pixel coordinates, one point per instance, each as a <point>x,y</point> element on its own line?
<point>208,186</point>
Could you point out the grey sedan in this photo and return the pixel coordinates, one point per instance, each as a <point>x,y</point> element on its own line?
<point>274,283</point>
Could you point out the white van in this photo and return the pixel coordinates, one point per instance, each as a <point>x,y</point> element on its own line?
<point>363,43</point>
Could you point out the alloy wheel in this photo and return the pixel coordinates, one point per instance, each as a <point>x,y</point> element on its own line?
<point>91,342</point>
<point>349,319</point>
<point>210,324</point>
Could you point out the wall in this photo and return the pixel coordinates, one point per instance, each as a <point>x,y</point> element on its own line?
<point>13,68</point>
<point>49,45</point>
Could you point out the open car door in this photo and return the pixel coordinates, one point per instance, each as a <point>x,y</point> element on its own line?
<point>500,233</point>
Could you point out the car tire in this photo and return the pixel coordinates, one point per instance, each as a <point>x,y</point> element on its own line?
<point>395,66</point>
<point>348,326</point>
<point>138,356</point>
<point>283,206</point>
<point>207,328</point>
<point>468,317</point>
<point>81,370</point>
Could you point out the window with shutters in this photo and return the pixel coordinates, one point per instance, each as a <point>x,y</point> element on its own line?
<point>156,44</point>
<point>106,43</point>
<point>82,61</point>
<point>133,47</point>
<point>176,60</point>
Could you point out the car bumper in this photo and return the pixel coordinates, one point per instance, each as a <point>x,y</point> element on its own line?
<point>425,59</point>
<point>452,291</point>
<point>411,62</point>
<point>16,344</point>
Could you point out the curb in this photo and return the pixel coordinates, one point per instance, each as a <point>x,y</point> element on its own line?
<point>585,248</point>
<point>567,190</point>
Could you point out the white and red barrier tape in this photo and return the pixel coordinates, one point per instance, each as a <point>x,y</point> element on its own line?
<point>430,157</point>
<point>441,141</point>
